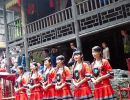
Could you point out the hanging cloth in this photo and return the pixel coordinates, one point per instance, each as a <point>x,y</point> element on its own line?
<point>19,2</point>
<point>31,9</point>
<point>51,4</point>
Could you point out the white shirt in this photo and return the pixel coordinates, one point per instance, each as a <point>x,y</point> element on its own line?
<point>106,53</point>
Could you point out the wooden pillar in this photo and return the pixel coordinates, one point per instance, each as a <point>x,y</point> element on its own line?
<point>6,34</point>
<point>24,21</point>
<point>74,13</point>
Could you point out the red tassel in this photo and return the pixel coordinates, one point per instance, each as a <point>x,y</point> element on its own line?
<point>31,9</point>
<point>51,3</point>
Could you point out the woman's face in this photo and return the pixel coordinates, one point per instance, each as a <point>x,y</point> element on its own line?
<point>103,45</point>
<point>47,63</point>
<point>33,68</point>
<point>19,71</point>
<point>77,57</point>
<point>96,54</point>
<point>59,63</point>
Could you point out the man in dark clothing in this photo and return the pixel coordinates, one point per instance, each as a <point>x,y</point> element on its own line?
<point>73,47</point>
<point>54,54</point>
<point>126,42</point>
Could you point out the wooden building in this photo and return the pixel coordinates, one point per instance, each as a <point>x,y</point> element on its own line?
<point>91,21</point>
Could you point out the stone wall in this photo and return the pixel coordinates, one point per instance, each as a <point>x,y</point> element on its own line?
<point>120,79</point>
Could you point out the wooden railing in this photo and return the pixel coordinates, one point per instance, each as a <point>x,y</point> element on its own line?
<point>92,15</point>
<point>50,20</point>
<point>15,29</point>
<point>90,5</point>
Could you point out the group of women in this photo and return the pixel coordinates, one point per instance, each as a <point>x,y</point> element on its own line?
<point>63,83</point>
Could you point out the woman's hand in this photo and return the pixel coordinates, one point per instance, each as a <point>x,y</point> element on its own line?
<point>31,87</point>
<point>57,87</point>
<point>18,89</point>
<point>36,85</point>
<point>44,87</point>
<point>45,83</point>
<point>76,84</point>
<point>60,86</point>
<point>98,80</point>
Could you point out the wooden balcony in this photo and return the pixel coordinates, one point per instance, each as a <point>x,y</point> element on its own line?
<point>92,16</point>
<point>15,30</point>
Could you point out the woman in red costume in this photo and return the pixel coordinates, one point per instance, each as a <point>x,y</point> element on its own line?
<point>82,91</point>
<point>101,73</point>
<point>48,77</point>
<point>20,91</point>
<point>36,91</point>
<point>62,86</point>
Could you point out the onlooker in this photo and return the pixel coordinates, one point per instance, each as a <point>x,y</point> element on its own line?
<point>31,59</point>
<point>106,52</point>
<point>19,60</point>
<point>41,69</point>
<point>73,47</point>
<point>3,67</point>
<point>23,63</point>
<point>126,42</point>
<point>46,53</point>
<point>54,54</point>
<point>3,60</point>
<point>14,68</point>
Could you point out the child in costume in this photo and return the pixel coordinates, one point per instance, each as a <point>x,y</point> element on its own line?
<point>62,86</point>
<point>82,91</point>
<point>36,90</point>
<point>48,77</point>
<point>20,91</point>
<point>101,73</point>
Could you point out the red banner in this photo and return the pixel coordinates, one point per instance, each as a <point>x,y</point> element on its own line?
<point>19,2</point>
